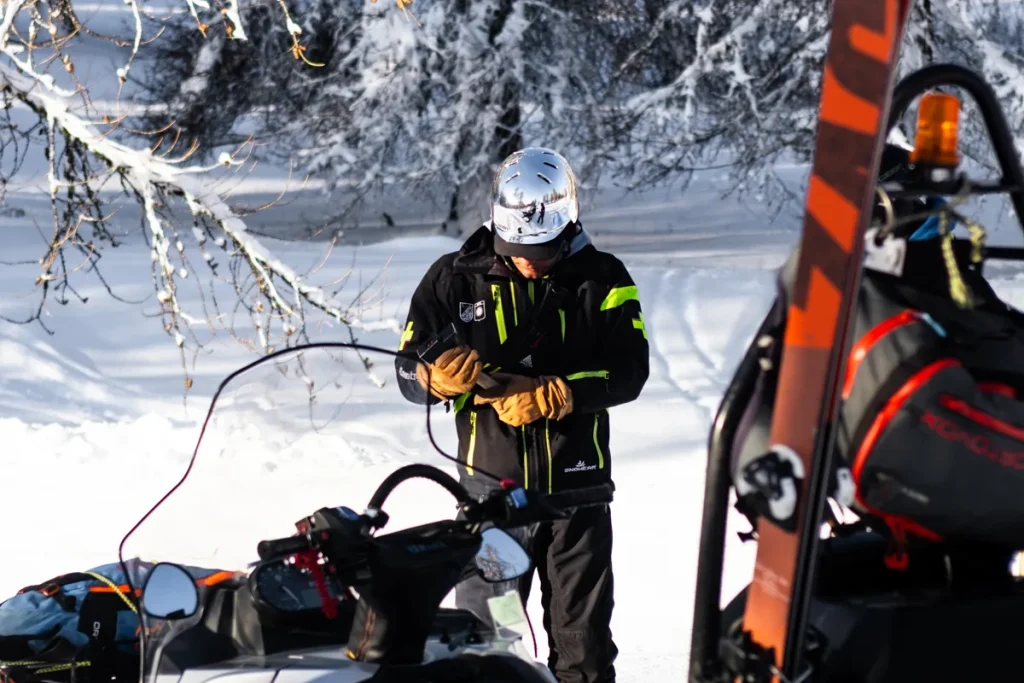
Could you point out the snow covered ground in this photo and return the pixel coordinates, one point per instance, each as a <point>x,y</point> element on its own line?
<point>95,429</point>
<point>94,425</point>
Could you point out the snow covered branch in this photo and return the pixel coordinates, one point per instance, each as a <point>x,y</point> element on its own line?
<point>85,157</point>
<point>406,109</point>
<point>736,83</point>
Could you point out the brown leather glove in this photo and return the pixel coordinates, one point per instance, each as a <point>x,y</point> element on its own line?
<point>453,373</point>
<point>522,400</point>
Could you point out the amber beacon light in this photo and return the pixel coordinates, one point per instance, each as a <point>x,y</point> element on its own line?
<point>938,122</point>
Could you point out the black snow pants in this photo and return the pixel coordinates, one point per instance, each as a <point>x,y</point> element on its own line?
<point>573,558</point>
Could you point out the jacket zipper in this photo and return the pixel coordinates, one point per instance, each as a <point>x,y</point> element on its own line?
<point>547,424</point>
<point>537,467</point>
<point>526,458</point>
<point>515,309</point>
<point>547,440</point>
<point>472,442</point>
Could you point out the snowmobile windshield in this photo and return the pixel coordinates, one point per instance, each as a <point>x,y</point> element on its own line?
<point>312,427</point>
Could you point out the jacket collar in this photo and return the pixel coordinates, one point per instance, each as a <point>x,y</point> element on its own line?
<point>477,254</point>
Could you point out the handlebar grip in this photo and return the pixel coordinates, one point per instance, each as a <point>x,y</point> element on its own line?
<point>279,547</point>
<point>584,497</point>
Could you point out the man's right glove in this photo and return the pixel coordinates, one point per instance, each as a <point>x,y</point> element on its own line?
<point>522,400</point>
<point>453,373</point>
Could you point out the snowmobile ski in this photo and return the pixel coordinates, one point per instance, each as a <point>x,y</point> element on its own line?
<point>857,85</point>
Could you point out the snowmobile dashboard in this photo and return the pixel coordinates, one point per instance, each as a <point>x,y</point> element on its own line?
<point>284,588</point>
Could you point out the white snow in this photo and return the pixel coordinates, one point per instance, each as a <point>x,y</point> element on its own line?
<point>95,427</point>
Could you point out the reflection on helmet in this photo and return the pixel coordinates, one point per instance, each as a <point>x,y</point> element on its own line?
<point>533,199</point>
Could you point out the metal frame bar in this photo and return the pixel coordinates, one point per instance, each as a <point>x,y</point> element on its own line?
<point>705,664</point>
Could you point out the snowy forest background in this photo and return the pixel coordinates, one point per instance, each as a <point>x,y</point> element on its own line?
<point>384,111</point>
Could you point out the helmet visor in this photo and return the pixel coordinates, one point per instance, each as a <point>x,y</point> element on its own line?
<point>545,251</point>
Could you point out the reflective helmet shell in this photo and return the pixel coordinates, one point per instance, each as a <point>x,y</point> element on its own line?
<point>533,199</point>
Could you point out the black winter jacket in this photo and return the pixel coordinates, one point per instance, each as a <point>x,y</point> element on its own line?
<point>591,333</point>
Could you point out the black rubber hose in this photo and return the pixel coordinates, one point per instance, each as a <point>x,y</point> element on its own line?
<point>417,471</point>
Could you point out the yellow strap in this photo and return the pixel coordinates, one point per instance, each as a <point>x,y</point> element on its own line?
<point>65,667</point>
<point>618,296</point>
<point>61,667</point>
<point>43,669</point>
<point>551,462</point>
<point>526,460</point>
<point>114,587</point>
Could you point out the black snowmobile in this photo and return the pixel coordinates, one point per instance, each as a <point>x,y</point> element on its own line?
<point>929,449</point>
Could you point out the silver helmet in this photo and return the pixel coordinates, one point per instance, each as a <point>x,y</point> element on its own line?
<point>533,199</point>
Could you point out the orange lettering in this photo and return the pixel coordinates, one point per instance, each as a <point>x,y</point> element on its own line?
<point>875,45</point>
<point>842,107</point>
<point>815,327</point>
<point>834,212</point>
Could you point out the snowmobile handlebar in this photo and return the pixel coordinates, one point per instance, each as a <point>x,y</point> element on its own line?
<point>281,547</point>
<point>337,529</point>
<point>510,505</point>
<point>434,557</point>
<point>435,475</point>
<point>513,506</point>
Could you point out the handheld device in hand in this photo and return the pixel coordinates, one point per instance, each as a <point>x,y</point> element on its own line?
<point>448,338</point>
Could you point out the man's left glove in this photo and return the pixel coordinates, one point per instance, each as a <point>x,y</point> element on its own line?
<point>522,400</point>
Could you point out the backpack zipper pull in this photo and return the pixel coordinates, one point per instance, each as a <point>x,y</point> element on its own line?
<point>896,554</point>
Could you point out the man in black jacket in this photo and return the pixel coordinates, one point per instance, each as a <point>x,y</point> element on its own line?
<point>559,324</point>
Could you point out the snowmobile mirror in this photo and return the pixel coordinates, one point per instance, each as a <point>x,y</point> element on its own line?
<point>169,593</point>
<point>501,557</point>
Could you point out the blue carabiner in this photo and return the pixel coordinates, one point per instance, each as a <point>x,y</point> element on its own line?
<point>930,228</point>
